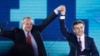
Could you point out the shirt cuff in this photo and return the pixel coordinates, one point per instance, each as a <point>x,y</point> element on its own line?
<point>56,12</point>
<point>62,17</point>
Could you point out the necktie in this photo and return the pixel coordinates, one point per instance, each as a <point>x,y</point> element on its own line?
<point>29,39</point>
<point>80,43</point>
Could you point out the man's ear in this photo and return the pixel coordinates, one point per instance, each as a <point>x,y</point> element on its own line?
<point>22,26</point>
<point>73,30</point>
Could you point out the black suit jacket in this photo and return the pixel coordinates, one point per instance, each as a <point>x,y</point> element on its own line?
<point>90,48</point>
<point>20,45</point>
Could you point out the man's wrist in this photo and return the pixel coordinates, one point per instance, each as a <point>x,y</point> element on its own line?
<point>62,17</point>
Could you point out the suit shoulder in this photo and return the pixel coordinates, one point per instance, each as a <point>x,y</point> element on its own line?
<point>16,29</point>
<point>90,38</point>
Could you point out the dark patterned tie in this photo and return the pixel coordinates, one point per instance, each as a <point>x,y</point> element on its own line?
<point>29,39</point>
<point>80,43</point>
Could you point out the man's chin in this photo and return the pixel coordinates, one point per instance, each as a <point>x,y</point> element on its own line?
<point>80,34</point>
<point>28,30</point>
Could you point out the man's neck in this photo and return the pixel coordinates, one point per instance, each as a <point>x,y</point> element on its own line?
<point>78,36</point>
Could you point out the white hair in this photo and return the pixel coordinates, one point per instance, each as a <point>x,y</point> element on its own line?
<point>24,19</point>
<point>28,18</point>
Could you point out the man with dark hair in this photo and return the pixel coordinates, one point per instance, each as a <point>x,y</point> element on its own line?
<point>80,44</point>
<point>28,41</point>
<point>78,22</point>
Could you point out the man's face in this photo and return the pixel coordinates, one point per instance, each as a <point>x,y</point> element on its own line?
<point>79,29</point>
<point>27,25</point>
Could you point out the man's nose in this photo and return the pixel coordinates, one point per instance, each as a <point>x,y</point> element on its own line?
<point>80,29</point>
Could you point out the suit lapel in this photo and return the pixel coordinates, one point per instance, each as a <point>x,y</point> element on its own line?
<point>34,35</point>
<point>23,36</point>
<point>86,43</point>
<point>77,44</point>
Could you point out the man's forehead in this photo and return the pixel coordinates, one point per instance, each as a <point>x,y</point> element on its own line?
<point>28,20</point>
<point>78,25</point>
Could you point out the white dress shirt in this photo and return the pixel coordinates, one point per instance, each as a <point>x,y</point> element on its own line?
<point>82,38</point>
<point>34,44</point>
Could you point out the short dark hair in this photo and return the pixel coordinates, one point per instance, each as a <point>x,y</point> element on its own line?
<point>78,22</point>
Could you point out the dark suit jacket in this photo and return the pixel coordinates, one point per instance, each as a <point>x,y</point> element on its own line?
<point>21,48</point>
<point>90,48</point>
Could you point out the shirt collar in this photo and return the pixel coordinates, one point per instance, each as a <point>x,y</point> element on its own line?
<point>81,37</point>
<point>25,32</point>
